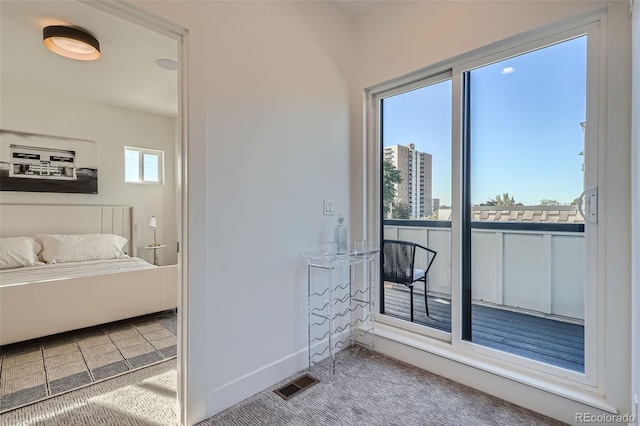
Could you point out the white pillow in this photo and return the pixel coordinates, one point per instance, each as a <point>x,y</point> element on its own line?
<point>58,248</point>
<point>19,251</point>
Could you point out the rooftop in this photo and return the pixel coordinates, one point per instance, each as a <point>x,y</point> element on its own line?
<point>536,214</point>
<point>529,214</point>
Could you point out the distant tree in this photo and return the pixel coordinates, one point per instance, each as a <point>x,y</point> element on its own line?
<point>501,200</point>
<point>575,201</point>
<point>401,211</point>
<point>550,202</point>
<point>390,177</point>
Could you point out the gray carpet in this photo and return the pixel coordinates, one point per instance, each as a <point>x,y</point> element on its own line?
<point>371,389</point>
<point>40,368</point>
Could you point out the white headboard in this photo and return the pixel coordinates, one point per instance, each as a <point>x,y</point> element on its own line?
<point>28,220</point>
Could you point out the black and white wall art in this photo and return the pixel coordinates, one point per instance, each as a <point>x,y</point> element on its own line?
<point>39,163</point>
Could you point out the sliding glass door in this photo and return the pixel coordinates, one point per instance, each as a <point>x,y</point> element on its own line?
<point>416,198</point>
<point>525,232</point>
<point>492,163</point>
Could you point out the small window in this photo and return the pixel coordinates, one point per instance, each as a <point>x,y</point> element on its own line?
<point>143,165</point>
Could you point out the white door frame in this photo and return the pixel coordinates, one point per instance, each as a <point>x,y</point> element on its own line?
<point>180,34</point>
<point>635,213</point>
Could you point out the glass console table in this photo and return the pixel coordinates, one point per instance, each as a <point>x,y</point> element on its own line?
<point>340,302</point>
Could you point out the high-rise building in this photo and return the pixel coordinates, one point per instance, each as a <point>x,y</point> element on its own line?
<point>416,170</point>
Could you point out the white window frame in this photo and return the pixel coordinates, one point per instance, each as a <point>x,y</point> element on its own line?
<point>378,97</point>
<point>537,374</point>
<point>143,152</point>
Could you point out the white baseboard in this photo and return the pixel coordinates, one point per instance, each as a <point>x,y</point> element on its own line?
<point>233,392</point>
<point>256,381</point>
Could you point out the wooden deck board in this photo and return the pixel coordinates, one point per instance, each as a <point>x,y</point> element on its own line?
<point>542,339</point>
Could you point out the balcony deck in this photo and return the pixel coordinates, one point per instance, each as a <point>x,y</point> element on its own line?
<point>542,339</point>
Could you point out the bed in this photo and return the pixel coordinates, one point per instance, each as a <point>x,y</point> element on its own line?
<point>45,299</point>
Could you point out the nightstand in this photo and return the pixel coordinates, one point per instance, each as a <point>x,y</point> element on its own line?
<point>155,252</point>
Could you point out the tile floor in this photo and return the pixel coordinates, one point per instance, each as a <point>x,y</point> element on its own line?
<point>40,368</point>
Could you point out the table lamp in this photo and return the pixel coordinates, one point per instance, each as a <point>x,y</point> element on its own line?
<point>153,224</point>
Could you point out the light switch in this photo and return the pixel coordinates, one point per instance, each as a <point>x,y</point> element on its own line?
<point>327,208</point>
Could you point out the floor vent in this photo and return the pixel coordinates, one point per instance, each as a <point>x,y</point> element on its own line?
<point>298,385</point>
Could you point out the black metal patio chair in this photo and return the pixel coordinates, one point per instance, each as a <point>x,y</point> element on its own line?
<point>398,266</point>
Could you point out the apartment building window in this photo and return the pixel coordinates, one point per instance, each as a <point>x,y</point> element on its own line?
<point>142,165</point>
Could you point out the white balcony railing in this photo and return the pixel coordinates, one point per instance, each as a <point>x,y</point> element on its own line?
<point>540,271</point>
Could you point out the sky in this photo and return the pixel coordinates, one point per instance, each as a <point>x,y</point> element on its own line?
<point>526,137</point>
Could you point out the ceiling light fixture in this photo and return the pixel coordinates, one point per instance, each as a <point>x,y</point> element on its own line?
<point>167,64</point>
<point>71,43</point>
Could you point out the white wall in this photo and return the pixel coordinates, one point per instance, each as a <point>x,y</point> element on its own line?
<point>268,87</point>
<point>111,128</point>
<point>401,37</point>
<point>268,140</point>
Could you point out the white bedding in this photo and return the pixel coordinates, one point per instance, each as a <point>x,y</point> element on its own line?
<point>58,271</point>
